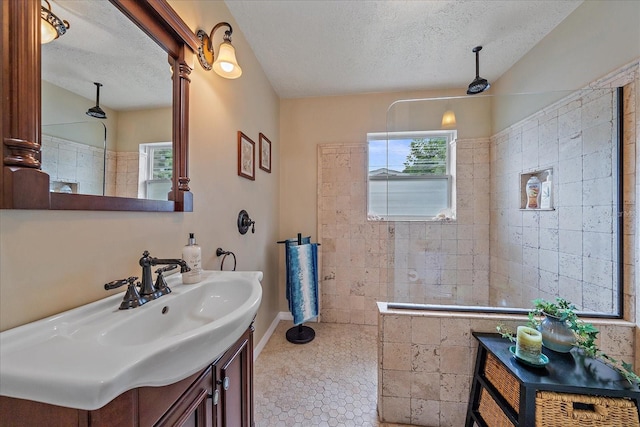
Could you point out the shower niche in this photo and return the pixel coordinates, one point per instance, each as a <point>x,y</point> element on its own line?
<point>536,190</point>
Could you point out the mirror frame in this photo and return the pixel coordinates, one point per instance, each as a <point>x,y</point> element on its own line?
<point>22,182</point>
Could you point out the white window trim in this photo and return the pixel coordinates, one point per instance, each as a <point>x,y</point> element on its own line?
<point>451,136</point>
<point>145,178</point>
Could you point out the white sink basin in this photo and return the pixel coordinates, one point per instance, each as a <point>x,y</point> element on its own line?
<point>85,357</point>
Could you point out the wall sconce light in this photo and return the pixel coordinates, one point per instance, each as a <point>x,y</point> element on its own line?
<point>51,27</point>
<point>226,64</point>
<point>448,119</point>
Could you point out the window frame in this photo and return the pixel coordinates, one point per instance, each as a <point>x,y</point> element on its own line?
<point>146,179</point>
<point>449,175</point>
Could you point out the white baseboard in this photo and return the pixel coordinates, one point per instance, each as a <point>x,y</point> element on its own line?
<point>283,315</point>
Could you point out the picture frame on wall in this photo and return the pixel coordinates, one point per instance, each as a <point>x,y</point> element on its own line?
<point>246,157</point>
<point>265,153</point>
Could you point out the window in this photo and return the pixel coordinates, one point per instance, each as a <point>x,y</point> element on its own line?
<point>410,174</point>
<point>156,169</point>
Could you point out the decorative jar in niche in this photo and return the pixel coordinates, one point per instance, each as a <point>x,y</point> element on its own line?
<point>556,334</point>
<point>533,193</point>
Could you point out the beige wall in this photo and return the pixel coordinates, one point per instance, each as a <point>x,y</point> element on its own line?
<point>54,96</point>
<point>55,260</point>
<point>599,36</point>
<point>143,126</point>
<point>125,129</point>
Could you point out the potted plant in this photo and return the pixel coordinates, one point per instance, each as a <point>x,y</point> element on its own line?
<point>561,314</point>
<point>556,321</point>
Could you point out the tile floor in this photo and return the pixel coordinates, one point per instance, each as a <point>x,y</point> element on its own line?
<point>330,381</point>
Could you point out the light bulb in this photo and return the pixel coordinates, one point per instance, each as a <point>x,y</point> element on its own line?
<point>226,66</point>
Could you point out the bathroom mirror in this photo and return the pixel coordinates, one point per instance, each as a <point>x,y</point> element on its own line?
<point>491,248</point>
<point>24,184</point>
<point>136,99</point>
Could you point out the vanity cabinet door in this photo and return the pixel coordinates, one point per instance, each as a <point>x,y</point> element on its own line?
<point>234,382</point>
<point>194,408</point>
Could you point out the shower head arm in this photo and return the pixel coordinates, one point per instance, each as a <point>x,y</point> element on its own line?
<point>97,92</point>
<point>476,50</point>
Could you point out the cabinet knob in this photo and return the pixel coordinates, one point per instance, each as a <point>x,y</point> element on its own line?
<point>224,383</point>
<point>215,397</point>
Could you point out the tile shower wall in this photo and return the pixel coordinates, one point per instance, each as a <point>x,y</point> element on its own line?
<point>127,174</point>
<point>570,251</point>
<point>366,261</point>
<point>354,250</point>
<point>122,174</point>
<point>73,164</point>
<point>82,166</point>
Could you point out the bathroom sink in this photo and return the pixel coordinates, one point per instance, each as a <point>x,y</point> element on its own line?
<point>85,357</point>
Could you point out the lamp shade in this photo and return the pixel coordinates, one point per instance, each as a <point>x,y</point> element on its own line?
<point>448,119</point>
<point>47,32</point>
<point>51,27</point>
<point>226,64</point>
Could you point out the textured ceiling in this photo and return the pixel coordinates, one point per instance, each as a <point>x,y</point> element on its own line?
<point>309,47</point>
<point>102,45</point>
<point>332,47</point>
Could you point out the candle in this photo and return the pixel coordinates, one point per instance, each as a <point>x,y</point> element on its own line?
<point>528,344</point>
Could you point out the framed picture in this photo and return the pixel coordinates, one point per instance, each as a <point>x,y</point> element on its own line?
<point>265,153</point>
<point>246,156</point>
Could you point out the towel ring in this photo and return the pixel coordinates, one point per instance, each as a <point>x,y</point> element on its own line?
<point>220,252</point>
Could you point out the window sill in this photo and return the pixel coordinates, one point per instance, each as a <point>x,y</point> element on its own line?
<point>411,219</point>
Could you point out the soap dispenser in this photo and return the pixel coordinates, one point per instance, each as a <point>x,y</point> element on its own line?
<point>192,254</point>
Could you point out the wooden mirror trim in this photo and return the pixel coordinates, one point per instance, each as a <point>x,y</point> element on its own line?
<point>22,182</point>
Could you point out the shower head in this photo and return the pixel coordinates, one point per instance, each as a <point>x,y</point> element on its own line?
<point>96,111</point>
<point>478,84</point>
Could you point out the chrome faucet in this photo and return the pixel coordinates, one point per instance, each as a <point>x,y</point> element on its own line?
<point>148,291</point>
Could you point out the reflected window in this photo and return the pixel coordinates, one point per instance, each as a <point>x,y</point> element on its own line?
<point>410,175</point>
<point>156,168</point>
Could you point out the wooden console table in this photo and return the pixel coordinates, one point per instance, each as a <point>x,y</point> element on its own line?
<point>571,388</point>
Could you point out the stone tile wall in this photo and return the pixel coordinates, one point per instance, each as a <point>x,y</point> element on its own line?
<point>570,251</point>
<point>69,162</point>
<point>127,174</point>
<point>364,261</point>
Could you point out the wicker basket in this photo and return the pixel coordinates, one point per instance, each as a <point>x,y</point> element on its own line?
<point>491,413</point>
<point>506,384</point>
<point>579,410</point>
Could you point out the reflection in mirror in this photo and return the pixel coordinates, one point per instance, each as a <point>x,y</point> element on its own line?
<point>75,157</point>
<point>104,46</point>
<point>491,248</point>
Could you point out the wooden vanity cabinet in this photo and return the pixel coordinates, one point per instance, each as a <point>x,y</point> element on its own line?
<point>221,395</point>
<point>234,382</point>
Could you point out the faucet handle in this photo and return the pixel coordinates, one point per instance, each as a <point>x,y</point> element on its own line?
<point>117,283</point>
<point>167,268</point>
<point>132,297</point>
<point>161,284</point>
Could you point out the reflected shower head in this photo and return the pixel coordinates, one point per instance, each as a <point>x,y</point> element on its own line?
<point>96,111</point>
<point>478,84</point>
